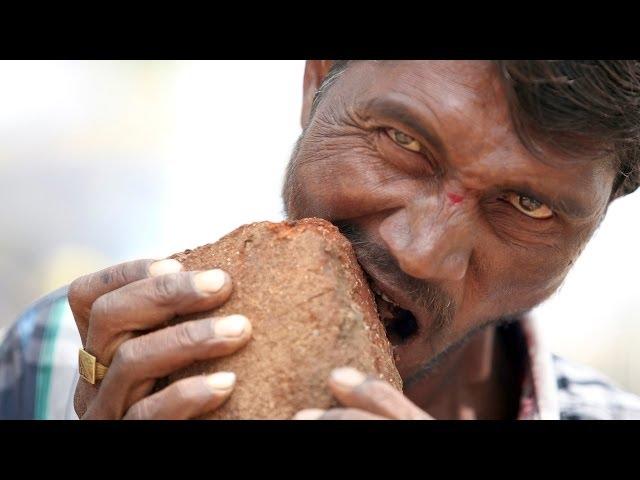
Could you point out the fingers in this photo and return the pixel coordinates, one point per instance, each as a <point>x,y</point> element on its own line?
<point>355,390</point>
<point>365,398</point>
<point>150,303</point>
<point>164,351</point>
<point>85,290</point>
<point>336,414</point>
<point>141,360</point>
<point>114,305</point>
<point>186,398</point>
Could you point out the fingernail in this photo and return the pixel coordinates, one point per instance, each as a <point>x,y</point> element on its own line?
<point>210,281</point>
<point>347,377</point>
<point>309,414</point>
<point>221,380</point>
<point>162,267</point>
<point>231,326</point>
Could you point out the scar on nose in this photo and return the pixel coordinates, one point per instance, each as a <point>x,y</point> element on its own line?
<point>455,198</point>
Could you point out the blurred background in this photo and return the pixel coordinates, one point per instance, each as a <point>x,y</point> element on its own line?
<point>103,162</point>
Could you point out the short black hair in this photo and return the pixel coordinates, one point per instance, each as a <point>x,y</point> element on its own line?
<point>582,107</point>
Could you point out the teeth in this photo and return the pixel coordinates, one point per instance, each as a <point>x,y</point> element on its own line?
<point>375,288</point>
<point>387,299</point>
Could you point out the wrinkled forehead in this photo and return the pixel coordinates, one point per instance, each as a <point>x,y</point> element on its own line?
<point>455,85</point>
<point>458,83</point>
<point>456,98</point>
<point>465,104</point>
<point>468,95</point>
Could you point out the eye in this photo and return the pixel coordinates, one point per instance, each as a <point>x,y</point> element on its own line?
<point>404,140</point>
<point>529,206</point>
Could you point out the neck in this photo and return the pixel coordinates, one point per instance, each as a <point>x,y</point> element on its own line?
<point>477,381</point>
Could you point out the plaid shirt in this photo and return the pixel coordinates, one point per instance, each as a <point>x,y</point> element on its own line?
<point>38,373</point>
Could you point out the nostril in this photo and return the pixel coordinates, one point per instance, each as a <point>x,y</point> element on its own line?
<point>395,231</point>
<point>428,248</point>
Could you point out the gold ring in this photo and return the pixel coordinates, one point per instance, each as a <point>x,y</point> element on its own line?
<point>90,369</point>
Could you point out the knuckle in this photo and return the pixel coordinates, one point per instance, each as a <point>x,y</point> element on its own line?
<point>184,392</point>
<point>167,288</point>
<point>101,307</point>
<point>116,275</point>
<point>102,321</point>
<point>126,356</point>
<point>76,294</point>
<point>76,289</point>
<point>187,334</point>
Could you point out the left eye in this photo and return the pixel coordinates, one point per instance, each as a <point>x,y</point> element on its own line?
<point>529,206</point>
<point>404,140</point>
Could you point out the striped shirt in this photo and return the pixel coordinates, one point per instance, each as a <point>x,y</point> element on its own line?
<point>39,372</point>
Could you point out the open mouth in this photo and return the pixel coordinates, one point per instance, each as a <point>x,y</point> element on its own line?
<point>400,324</point>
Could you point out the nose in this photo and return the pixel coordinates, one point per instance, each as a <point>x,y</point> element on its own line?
<point>430,237</point>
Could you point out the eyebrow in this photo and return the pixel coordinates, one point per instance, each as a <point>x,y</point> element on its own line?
<point>406,111</point>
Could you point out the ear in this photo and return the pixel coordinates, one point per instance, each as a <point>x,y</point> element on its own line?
<point>314,73</point>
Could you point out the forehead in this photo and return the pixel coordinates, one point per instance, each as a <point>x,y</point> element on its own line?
<point>465,104</point>
<point>455,85</point>
<point>459,97</point>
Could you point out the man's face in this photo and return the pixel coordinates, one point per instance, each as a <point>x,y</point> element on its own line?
<point>454,220</point>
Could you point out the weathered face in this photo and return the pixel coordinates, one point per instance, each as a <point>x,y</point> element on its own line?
<point>454,220</point>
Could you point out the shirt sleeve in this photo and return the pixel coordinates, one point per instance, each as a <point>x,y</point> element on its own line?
<point>586,394</point>
<point>38,358</point>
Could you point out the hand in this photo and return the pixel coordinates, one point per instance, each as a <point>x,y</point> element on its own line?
<point>122,312</point>
<point>365,398</point>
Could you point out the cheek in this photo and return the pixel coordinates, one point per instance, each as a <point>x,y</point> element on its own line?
<point>513,279</point>
<point>517,263</point>
<point>341,177</point>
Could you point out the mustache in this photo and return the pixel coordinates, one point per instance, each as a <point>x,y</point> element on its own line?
<point>427,296</point>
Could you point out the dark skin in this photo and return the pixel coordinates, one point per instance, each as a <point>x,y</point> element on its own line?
<point>422,159</point>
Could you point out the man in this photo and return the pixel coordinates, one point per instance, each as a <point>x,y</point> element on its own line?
<point>468,190</point>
